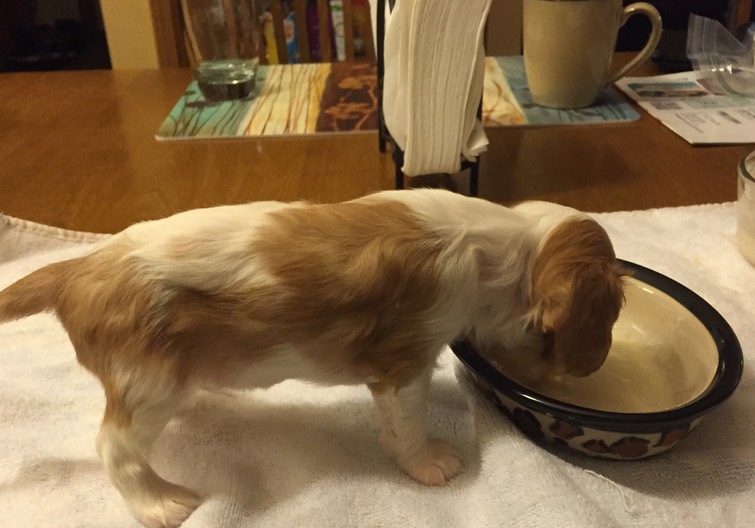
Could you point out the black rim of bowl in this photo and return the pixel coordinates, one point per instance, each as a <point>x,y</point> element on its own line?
<point>724,382</point>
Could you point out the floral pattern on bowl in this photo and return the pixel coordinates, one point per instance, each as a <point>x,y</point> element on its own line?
<point>587,440</point>
<point>614,435</point>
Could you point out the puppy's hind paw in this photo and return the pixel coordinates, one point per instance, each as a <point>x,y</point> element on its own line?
<point>434,464</point>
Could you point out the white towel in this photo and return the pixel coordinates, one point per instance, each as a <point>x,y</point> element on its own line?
<point>297,455</point>
<point>434,70</point>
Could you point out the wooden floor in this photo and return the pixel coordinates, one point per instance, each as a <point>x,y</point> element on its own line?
<point>78,151</point>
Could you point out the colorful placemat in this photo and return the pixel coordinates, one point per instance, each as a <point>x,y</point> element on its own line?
<point>342,97</point>
<point>290,99</point>
<point>507,100</point>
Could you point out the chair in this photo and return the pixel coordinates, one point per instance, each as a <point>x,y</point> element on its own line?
<point>238,11</point>
<point>739,14</point>
<point>384,136</point>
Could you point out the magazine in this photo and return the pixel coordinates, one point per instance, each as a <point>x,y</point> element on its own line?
<point>692,105</point>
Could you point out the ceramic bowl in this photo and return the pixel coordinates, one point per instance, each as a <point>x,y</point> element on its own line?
<point>673,360</point>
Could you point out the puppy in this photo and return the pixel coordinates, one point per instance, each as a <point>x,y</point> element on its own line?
<point>362,292</point>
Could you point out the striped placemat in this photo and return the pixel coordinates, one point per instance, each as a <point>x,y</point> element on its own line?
<point>296,99</point>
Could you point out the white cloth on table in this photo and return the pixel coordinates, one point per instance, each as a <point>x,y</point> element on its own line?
<point>297,455</point>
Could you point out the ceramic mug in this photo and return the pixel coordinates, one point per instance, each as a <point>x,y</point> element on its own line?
<point>569,45</point>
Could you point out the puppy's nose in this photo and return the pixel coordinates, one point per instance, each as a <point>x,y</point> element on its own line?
<point>580,371</point>
<point>587,363</point>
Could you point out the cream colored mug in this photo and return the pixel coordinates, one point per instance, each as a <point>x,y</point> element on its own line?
<point>569,45</point>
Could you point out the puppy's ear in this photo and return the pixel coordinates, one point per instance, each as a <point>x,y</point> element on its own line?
<point>577,292</point>
<point>553,305</point>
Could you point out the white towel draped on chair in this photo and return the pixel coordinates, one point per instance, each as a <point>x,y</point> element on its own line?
<point>434,69</point>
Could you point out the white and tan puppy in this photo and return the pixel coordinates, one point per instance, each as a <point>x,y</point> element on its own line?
<point>363,292</point>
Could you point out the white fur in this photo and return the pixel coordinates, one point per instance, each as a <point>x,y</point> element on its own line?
<point>402,417</point>
<point>222,236</point>
<point>495,310</point>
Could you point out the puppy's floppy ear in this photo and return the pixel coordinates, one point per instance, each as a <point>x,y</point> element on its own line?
<point>577,293</point>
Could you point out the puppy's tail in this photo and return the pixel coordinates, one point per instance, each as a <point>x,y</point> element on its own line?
<point>37,292</point>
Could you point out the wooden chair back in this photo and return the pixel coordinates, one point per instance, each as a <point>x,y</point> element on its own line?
<point>739,14</point>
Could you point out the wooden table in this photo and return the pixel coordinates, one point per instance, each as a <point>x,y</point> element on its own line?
<point>77,151</point>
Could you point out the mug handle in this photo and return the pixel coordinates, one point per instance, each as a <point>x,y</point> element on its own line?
<point>655,35</point>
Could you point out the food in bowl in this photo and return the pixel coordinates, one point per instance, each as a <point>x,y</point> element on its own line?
<point>673,359</point>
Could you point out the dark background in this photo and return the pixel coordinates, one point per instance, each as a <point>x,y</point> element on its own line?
<point>670,55</point>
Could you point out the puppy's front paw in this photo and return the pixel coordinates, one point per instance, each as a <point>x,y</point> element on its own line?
<point>434,464</point>
<point>167,510</point>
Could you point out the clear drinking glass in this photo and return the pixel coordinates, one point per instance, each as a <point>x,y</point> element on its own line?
<point>746,207</point>
<point>224,36</point>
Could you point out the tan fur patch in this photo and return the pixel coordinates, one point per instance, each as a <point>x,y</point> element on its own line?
<point>578,287</point>
<point>351,288</point>
<point>351,291</point>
